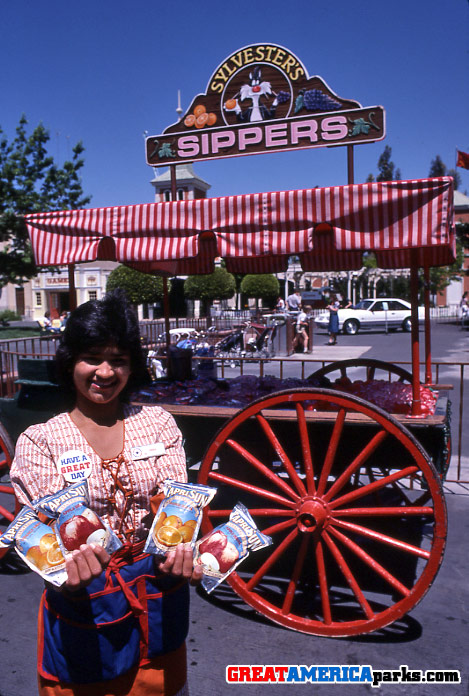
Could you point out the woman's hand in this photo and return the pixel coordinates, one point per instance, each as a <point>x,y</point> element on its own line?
<point>84,565</point>
<point>180,564</point>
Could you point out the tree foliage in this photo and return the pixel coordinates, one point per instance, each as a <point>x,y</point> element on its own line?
<point>439,168</point>
<point>30,181</point>
<point>386,168</point>
<point>262,286</point>
<point>219,285</point>
<point>141,288</point>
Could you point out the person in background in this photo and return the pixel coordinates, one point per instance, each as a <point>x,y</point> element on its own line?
<point>280,306</point>
<point>346,303</point>
<point>294,301</point>
<point>119,623</point>
<point>464,307</point>
<point>333,326</point>
<point>302,326</point>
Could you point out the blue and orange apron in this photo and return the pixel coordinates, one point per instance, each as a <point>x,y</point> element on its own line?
<point>123,619</point>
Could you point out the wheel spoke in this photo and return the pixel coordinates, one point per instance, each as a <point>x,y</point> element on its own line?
<point>6,514</point>
<point>331,451</point>
<point>221,478</point>
<point>291,589</point>
<point>274,556</point>
<point>348,575</point>
<point>383,538</point>
<point>371,487</point>
<point>289,468</point>
<point>279,527</point>
<point>371,562</point>
<point>306,448</point>
<point>323,586</point>
<point>356,464</point>
<point>262,468</point>
<point>384,512</point>
<point>255,512</point>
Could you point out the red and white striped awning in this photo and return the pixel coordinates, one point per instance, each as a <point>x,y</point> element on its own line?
<point>402,222</point>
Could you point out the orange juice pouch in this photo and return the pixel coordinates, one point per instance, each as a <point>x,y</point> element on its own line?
<point>178,518</point>
<point>76,523</point>
<point>220,551</point>
<point>37,544</point>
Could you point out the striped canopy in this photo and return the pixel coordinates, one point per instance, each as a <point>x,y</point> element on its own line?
<point>403,222</point>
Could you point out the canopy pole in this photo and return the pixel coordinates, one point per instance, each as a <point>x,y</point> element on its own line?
<point>72,291</point>
<point>416,410</point>
<point>428,344</point>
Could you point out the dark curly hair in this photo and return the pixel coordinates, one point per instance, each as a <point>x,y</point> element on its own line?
<point>100,323</point>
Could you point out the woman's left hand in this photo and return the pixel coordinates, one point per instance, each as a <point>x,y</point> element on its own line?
<point>180,564</point>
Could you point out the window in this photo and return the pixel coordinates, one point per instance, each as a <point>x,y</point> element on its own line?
<point>167,195</point>
<point>92,295</point>
<point>38,299</point>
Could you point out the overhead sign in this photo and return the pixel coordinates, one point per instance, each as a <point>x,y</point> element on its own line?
<point>261,99</point>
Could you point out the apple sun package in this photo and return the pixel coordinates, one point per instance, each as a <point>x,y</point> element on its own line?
<point>178,518</point>
<point>37,544</point>
<point>220,551</point>
<point>76,523</point>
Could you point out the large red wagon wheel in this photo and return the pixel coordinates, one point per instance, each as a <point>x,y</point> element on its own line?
<point>317,469</point>
<point>346,368</point>
<point>6,457</point>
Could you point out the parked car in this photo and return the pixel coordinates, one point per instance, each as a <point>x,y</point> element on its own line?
<point>387,313</point>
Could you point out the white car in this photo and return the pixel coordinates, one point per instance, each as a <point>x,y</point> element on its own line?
<point>387,313</point>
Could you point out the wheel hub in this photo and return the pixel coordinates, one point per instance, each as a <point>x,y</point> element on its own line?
<point>312,514</point>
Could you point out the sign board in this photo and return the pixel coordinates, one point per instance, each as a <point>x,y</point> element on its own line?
<point>261,99</point>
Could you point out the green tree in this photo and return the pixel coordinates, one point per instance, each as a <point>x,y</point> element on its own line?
<point>219,285</point>
<point>30,181</point>
<point>141,288</point>
<point>439,168</point>
<point>386,168</point>
<point>262,286</point>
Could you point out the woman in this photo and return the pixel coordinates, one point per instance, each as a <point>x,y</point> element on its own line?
<point>333,327</point>
<point>119,624</point>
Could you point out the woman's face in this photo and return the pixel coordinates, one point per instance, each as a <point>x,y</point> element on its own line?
<point>101,373</point>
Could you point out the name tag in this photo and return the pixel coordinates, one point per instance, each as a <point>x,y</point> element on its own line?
<point>144,451</point>
<point>74,466</point>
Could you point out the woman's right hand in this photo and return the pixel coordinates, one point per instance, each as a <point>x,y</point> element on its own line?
<point>84,565</point>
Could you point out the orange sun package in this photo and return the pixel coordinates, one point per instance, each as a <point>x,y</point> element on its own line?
<point>37,544</point>
<point>178,518</point>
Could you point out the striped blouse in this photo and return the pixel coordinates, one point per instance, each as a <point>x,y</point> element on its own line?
<point>34,472</point>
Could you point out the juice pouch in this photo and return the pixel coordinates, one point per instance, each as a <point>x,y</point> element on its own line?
<point>220,551</point>
<point>76,523</point>
<point>178,517</point>
<point>36,543</point>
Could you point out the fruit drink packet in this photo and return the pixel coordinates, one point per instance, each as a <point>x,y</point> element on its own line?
<point>220,551</point>
<point>36,543</point>
<point>178,517</point>
<point>76,523</point>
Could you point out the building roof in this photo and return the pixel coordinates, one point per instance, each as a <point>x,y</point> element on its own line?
<point>460,200</point>
<point>184,174</point>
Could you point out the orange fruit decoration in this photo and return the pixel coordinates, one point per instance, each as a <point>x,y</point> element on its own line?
<point>230,104</point>
<point>201,120</point>
<point>54,556</point>
<point>189,121</point>
<point>169,536</point>
<point>212,119</point>
<point>186,532</point>
<point>199,109</point>
<point>47,541</point>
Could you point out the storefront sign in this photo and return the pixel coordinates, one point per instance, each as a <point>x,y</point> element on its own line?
<point>261,99</point>
<point>57,280</point>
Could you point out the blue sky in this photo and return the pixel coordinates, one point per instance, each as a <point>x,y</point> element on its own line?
<point>104,72</point>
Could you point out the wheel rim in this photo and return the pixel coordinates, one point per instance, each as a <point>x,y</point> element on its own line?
<point>334,516</point>
<point>351,327</point>
<point>8,510</point>
<point>345,367</point>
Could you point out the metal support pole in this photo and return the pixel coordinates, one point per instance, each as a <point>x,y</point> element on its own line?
<point>72,291</point>
<point>428,344</point>
<point>350,173</point>
<point>414,292</point>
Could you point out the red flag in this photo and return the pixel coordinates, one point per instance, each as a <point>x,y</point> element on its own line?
<point>463,159</point>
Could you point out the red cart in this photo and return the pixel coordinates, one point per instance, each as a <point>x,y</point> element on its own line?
<point>352,500</point>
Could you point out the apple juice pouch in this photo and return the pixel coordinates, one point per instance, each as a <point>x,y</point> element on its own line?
<point>220,551</point>
<point>76,523</point>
